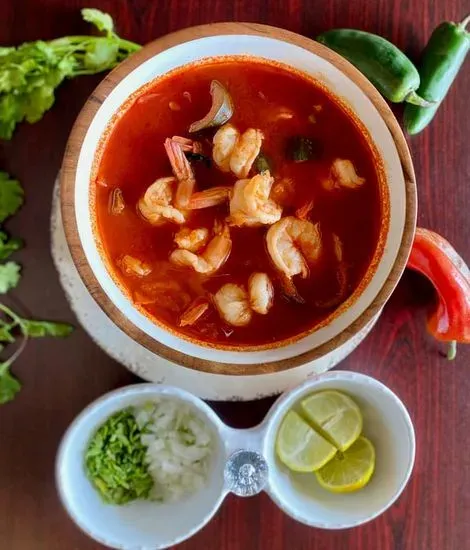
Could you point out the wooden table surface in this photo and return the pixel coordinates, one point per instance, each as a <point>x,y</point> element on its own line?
<point>61,377</point>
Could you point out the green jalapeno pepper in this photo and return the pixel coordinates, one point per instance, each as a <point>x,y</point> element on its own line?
<point>389,69</point>
<point>441,61</point>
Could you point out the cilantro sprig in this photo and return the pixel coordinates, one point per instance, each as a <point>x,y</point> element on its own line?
<point>11,324</point>
<point>30,73</point>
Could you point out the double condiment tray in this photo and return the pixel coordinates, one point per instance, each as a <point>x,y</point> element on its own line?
<point>244,462</point>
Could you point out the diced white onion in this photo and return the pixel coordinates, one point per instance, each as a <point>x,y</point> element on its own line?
<point>179,448</point>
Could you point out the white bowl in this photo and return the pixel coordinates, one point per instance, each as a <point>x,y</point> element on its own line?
<point>353,91</point>
<point>388,426</point>
<point>140,524</point>
<point>149,525</point>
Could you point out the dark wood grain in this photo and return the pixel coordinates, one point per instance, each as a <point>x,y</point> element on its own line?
<point>61,377</point>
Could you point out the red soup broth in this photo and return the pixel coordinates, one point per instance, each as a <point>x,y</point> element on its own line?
<point>132,157</point>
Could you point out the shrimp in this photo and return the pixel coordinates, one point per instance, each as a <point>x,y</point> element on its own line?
<point>155,206</point>
<point>194,312</point>
<point>250,203</point>
<point>182,171</point>
<point>303,211</point>
<point>134,267</point>
<point>245,152</point>
<point>192,239</point>
<point>293,244</point>
<point>233,304</point>
<point>188,145</point>
<point>343,174</point>
<point>234,151</point>
<point>224,142</point>
<point>214,255</point>
<point>209,197</point>
<point>185,196</point>
<point>261,293</point>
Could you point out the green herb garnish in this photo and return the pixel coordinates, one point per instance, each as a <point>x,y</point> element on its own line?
<point>301,149</point>
<point>8,245</point>
<point>263,163</point>
<point>9,276</point>
<point>30,73</point>
<point>115,460</point>
<point>198,157</point>
<point>11,194</point>
<point>9,326</point>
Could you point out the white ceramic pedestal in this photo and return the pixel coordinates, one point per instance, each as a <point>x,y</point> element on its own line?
<point>153,368</point>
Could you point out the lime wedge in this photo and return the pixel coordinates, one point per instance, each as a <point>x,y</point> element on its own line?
<point>299,447</point>
<point>349,471</point>
<point>335,416</point>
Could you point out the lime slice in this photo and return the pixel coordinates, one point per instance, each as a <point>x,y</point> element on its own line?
<point>335,416</point>
<point>349,471</point>
<point>301,448</point>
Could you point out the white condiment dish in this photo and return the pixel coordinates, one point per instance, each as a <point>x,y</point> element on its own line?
<point>140,524</point>
<point>244,462</point>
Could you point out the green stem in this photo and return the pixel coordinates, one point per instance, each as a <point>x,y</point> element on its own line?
<point>9,362</point>
<point>452,350</point>
<point>18,320</point>
<point>79,41</point>
<point>129,46</point>
<point>415,99</point>
<point>463,24</point>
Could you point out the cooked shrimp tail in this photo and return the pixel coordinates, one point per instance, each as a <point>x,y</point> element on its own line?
<point>209,197</point>
<point>290,290</point>
<point>182,171</point>
<point>304,211</point>
<point>194,312</point>
<point>188,145</point>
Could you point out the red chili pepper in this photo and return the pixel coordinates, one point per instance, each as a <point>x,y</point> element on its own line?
<point>434,257</point>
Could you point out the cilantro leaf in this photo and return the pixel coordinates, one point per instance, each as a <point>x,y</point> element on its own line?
<point>8,245</point>
<point>5,334</point>
<point>102,21</point>
<point>9,385</point>
<point>11,195</point>
<point>10,114</point>
<point>9,276</point>
<point>39,329</point>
